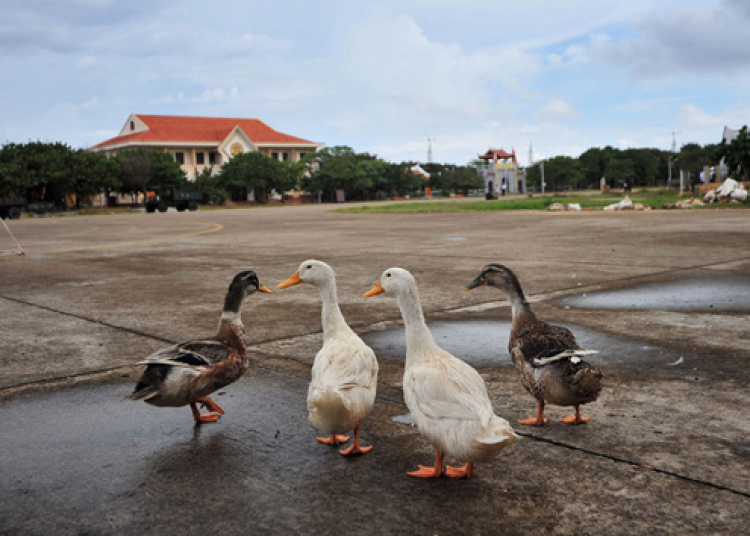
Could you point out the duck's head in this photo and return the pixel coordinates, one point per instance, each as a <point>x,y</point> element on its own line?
<point>311,271</point>
<point>494,275</point>
<point>393,281</point>
<point>243,284</point>
<point>246,283</point>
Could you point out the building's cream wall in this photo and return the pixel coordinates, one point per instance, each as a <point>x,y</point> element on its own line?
<point>192,168</point>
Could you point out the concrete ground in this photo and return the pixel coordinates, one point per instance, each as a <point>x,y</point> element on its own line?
<point>667,449</point>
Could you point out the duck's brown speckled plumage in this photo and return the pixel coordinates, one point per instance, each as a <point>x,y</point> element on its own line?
<point>565,382</point>
<point>186,373</point>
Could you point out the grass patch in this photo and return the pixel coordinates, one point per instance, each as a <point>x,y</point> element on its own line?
<point>655,199</point>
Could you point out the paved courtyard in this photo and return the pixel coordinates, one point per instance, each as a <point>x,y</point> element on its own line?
<point>666,451</point>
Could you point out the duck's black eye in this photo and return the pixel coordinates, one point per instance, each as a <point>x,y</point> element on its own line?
<point>309,266</point>
<point>388,275</point>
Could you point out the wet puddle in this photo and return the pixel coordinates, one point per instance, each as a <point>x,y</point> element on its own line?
<point>718,293</point>
<point>484,343</point>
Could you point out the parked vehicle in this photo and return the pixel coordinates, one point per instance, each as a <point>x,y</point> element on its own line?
<point>173,197</point>
<point>12,207</point>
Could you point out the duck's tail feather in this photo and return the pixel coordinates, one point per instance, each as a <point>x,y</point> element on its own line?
<point>143,392</point>
<point>497,436</point>
<point>328,411</point>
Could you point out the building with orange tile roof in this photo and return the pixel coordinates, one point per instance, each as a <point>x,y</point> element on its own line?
<point>197,143</point>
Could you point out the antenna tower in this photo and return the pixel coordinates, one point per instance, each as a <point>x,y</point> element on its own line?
<point>429,149</point>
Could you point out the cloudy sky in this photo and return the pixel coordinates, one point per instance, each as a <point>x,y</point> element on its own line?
<point>384,76</point>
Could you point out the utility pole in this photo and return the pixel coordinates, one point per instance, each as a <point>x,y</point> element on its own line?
<point>671,160</point>
<point>429,149</point>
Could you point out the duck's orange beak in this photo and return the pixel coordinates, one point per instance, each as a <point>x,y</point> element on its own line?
<point>261,288</point>
<point>294,280</point>
<point>374,291</point>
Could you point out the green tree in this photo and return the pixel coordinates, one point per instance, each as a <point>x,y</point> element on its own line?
<point>135,170</point>
<point>209,185</point>
<point>341,168</point>
<point>142,170</point>
<point>693,157</point>
<point>165,172</point>
<point>560,173</point>
<point>95,174</point>
<point>736,154</point>
<point>254,172</point>
<point>594,165</point>
<point>13,180</point>
<point>461,179</point>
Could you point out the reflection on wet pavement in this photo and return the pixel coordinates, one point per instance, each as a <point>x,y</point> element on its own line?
<point>715,293</point>
<point>484,343</point>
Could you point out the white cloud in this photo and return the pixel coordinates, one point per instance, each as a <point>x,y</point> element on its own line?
<point>381,77</point>
<point>712,38</point>
<point>555,109</point>
<point>210,95</point>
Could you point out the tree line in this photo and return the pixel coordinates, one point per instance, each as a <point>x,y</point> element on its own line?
<point>50,172</point>
<point>644,167</point>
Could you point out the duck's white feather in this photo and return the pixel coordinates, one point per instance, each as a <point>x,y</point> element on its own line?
<point>343,385</point>
<point>447,398</point>
<point>573,354</point>
<point>345,371</point>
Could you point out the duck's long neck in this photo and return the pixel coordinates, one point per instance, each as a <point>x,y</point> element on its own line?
<point>330,317</point>
<point>231,316</point>
<point>419,341</point>
<point>520,308</point>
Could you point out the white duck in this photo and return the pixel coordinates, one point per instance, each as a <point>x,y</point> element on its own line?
<point>447,398</point>
<point>345,370</point>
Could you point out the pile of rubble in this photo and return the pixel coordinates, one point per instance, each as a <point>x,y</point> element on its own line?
<point>575,207</point>
<point>686,203</point>
<point>730,191</point>
<point>627,204</point>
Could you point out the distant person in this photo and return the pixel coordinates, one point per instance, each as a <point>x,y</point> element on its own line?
<point>627,187</point>
<point>503,186</point>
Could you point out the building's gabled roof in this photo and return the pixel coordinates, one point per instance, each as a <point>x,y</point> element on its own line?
<point>166,129</point>
<point>497,153</point>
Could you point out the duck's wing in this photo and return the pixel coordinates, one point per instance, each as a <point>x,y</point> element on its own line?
<point>574,355</point>
<point>544,343</point>
<point>456,391</point>
<point>198,353</point>
<point>346,366</point>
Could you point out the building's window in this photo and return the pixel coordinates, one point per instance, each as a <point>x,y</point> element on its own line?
<point>200,158</point>
<point>132,125</point>
<point>301,155</point>
<point>213,158</point>
<point>179,157</point>
<point>285,157</point>
<point>275,156</point>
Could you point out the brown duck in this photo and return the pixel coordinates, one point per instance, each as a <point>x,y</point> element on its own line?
<point>548,357</point>
<point>186,373</point>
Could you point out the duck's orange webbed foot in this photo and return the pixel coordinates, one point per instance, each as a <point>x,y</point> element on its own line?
<point>534,421</point>
<point>354,448</point>
<point>208,417</point>
<point>539,420</point>
<point>210,405</point>
<point>199,417</point>
<point>430,472</point>
<point>334,440</point>
<point>427,472</point>
<point>460,472</point>
<point>575,418</point>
